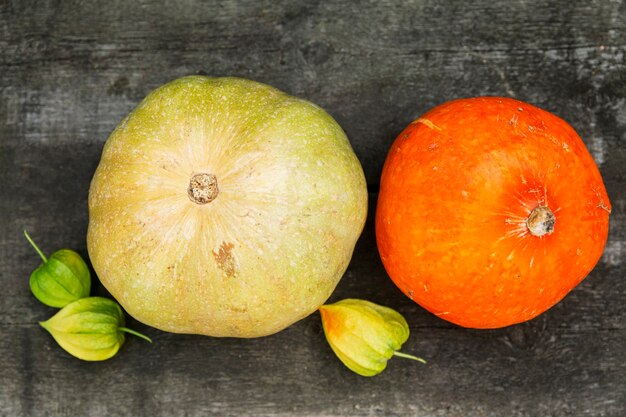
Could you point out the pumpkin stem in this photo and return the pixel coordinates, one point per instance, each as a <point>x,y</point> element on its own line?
<point>541,221</point>
<point>202,188</point>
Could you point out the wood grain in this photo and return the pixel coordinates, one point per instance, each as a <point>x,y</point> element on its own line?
<point>70,70</point>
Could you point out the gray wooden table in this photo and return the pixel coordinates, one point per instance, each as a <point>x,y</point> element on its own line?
<point>70,70</point>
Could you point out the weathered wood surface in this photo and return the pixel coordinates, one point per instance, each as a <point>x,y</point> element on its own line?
<point>70,70</point>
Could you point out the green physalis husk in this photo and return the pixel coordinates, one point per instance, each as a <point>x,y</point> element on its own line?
<point>364,335</point>
<point>91,329</point>
<point>62,278</point>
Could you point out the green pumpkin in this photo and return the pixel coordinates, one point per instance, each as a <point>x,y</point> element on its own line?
<point>224,207</point>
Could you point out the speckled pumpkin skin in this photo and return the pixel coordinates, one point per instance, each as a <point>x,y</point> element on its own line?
<point>273,244</point>
<point>456,190</point>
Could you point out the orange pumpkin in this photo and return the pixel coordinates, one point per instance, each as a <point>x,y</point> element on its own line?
<point>490,211</point>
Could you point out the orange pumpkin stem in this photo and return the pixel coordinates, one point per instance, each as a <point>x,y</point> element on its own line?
<point>541,221</point>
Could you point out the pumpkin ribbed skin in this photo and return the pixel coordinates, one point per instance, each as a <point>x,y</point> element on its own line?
<point>271,246</point>
<point>457,189</point>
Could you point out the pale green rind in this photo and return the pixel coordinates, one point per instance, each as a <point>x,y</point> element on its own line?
<point>292,203</point>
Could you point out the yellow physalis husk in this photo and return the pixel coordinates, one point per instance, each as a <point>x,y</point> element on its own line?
<point>91,329</point>
<point>364,335</point>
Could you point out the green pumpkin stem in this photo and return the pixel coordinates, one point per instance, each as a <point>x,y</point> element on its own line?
<point>36,247</point>
<point>407,356</point>
<point>134,333</point>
